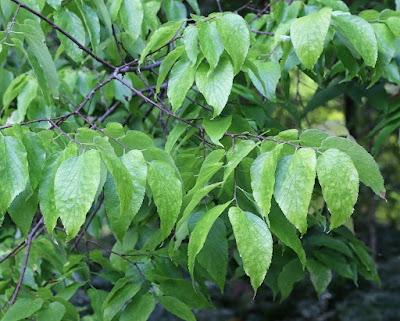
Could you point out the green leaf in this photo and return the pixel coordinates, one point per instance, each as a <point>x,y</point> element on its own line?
<point>308,35</point>
<point>367,168</point>
<point>394,25</point>
<point>167,64</point>
<point>25,97</point>
<point>139,309</point>
<point>320,275</point>
<point>13,170</point>
<point>216,84</point>
<point>285,232</point>
<point>75,186</point>
<point>191,43</point>
<point>180,81</point>
<point>312,137</point>
<point>167,194</point>
<point>294,186</point>
<point>23,209</point>
<point>254,242</point>
<point>339,182</point>
<point>46,188</point>
<point>210,42</point>
<point>235,36</point>
<point>72,24</point>
<point>22,309</point>
<point>177,307</point>
<point>161,37</point>
<point>290,274</point>
<point>216,128</point>
<point>265,77</point>
<point>131,14</point>
<point>360,34</point>
<point>263,178</point>
<point>54,312</point>
<point>236,154</point>
<point>335,4</point>
<point>92,24</point>
<point>200,232</point>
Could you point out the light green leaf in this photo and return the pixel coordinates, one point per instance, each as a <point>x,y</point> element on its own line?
<point>131,14</point>
<point>75,186</point>
<point>72,24</point>
<point>312,137</point>
<point>294,186</point>
<point>181,80</point>
<point>308,35</point>
<point>215,85</point>
<point>262,174</point>
<point>200,232</point>
<point>367,168</point>
<point>54,312</point>
<point>92,24</point>
<point>360,35</point>
<point>113,8</point>
<point>161,37</point>
<point>14,172</point>
<point>320,275</point>
<point>394,25</point>
<point>167,64</point>
<point>235,36</point>
<point>177,307</point>
<point>335,4</point>
<point>25,97</point>
<point>210,42</point>
<point>139,309</point>
<point>216,128</point>
<point>167,194</point>
<point>191,43</point>
<point>254,242</point>
<point>56,4</point>
<point>22,309</point>
<point>339,181</point>
<point>265,77</point>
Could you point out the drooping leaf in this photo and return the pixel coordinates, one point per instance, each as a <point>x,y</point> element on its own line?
<point>131,14</point>
<point>191,43</point>
<point>92,24</point>
<point>177,307</point>
<point>54,312</point>
<point>320,275</point>
<point>290,274</point>
<point>254,242</point>
<point>210,42</point>
<point>167,64</point>
<point>216,128</point>
<point>236,154</point>
<point>265,77</point>
<point>139,309</point>
<point>22,309</point>
<point>294,186</point>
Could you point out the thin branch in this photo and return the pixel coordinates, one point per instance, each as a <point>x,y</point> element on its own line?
<point>219,5</point>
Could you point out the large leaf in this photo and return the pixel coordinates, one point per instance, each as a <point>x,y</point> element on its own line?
<point>75,186</point>
<point>263,178</point>
<point>166,188</point>
<point>235,36</point>
<point>339,182</point>
<point>367,168</point>
<point>131,14</point>
<point>360,34</point>
<point>210,42</point>
<point>216,84</point>
<point>294,186</point>
<point>308,35</point>
<point>200,232</point>
<point>254,242</point>
<point>22,309</point>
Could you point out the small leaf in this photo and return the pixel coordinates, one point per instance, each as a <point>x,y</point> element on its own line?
<point>320,275</point>
<point>177,307</point>
<point>265,77</point>
<point>254,242</point>
<point>75,186</point>
<point>22,309</point>
<point>215,85</point>
<point>339,182</point>
<point>92,24</point>
<point>263,178</point>
<point>294,186</point>
<point>210,42</point>
<point>167,64</point>
<point>181,80</point>
<point>236,154</point>
<point>290,274</point>
<point>191,43</point>
<point>139,309</point>
<point>131,14</point>
<point>54,312</point>
<point>200,232</point>
<point>216,128</point>
<point>367,168</point>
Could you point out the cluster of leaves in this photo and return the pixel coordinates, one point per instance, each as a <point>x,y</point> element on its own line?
<point>127,119</point>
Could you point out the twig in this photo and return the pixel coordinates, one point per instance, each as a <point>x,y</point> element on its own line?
<point>219,5</point>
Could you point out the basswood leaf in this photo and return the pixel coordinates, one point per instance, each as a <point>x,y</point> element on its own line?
<point>22,309</point>
<point>215,85</point>
<point>320,275</point>
<point>160,38</point>
<point>339,182</point>
<point>180,81</point>
<point>131,14</point>
<point>46,189</point>
<point>167,64</point>
<point>312,137</point>
<point>360,34</point>
<point>308,35</point>
<point>177,307</point>
<point>54,312</point>
<point>191,43</point>
<point>210,42</point>
<point>139,309</point>
<point>235,36</point>
<point>294,186</point>
<point>23,209</point>
<point>265,76</point>
<point>166,188</point>
<point>367,168</point>
<point>236,154</point>
<point>216,128</point>
<point>75,186</point>
<point>14,171</point>
<point>290,274</point>
<point>200,232</point>
<point>394,25</point>
<point>92,24</point>
<point>254,242</point>
<point>262,174</point>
